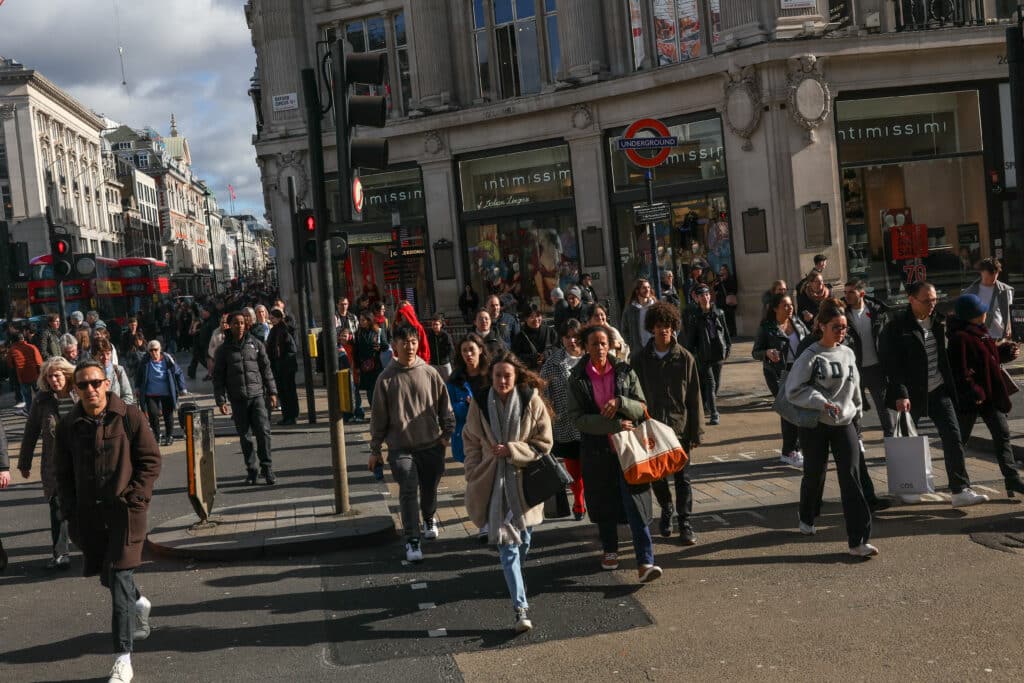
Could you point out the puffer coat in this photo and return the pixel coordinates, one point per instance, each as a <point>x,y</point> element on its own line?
<point>241,370</point>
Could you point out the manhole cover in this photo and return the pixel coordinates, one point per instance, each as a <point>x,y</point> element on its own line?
<point>1005,536</point>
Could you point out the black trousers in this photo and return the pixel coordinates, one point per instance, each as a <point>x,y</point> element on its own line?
<point>943,414</point>
<point>684,493</point>
<point>123,594</point>
<point>999,428</point>
<point>252,423</point>
<point>155,405</point>
<point>58,528</point>
<point>417,474</point>
<point>287,391</point>
<point>790,432</point>
<point>842,440</point>
<point>710,376</point>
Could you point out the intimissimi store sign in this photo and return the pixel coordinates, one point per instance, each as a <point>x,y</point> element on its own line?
<point>908,127</point>
<point>516,179</point>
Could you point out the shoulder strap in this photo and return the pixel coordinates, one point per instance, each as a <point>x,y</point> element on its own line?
<point>127,427</point>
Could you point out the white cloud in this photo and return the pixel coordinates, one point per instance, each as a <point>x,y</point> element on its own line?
<point>192,58</point>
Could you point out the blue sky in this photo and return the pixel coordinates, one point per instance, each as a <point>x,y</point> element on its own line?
<point>192,58</point>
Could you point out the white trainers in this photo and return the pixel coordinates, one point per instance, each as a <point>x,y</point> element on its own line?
<point>808,529</point>
<point>968,497</point>
<point>412,550</point>
<point>864,550</point>
<point>523,623</point>
<point>793,458</point>
<point>122,671</point>
<point>142,608</point>
<point>20,404</point>
<point>430,530</point>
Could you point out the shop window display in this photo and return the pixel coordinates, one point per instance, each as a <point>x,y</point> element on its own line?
<point>699,233</point>
<point>925,218</point>
<point>523,257</point>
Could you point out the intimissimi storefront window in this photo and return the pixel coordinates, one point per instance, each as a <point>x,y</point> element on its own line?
<point>519,224</point>
<point>376,266</point>
<point>913,182</point>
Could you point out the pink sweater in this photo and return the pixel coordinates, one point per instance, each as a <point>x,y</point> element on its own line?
<point>604,384</point>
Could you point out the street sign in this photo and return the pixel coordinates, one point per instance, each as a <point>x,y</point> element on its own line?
<point>357,195</point>
<point>660,141</point>
<point>407,253</point>
<point>652,213</point>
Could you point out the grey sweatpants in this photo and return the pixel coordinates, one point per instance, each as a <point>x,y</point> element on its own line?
<point>417,474</point>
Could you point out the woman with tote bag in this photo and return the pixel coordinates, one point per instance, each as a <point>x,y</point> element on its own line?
<point>825,379</point>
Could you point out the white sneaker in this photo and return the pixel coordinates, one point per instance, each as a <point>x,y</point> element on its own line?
<point>430,530</point>
<point>142,608</point>
<point>808,529</point>
<point>968,497</point>
<point>412,551</point>
<point>523,623</point>
<point>19,405</point>
<point>122,671</point>
<point>864,550</point>
<point>793,458</point>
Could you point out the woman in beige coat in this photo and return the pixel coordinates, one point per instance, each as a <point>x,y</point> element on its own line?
<point>508,426</point>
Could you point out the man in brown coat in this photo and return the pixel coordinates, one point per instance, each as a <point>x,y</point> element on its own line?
<point>107,461</point>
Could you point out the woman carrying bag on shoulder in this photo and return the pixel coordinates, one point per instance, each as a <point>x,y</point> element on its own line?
<point>824,380</point>
<point>605,398</point>
<point>508,427</point>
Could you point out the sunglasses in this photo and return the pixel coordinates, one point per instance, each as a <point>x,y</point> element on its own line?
<point>94,383</point>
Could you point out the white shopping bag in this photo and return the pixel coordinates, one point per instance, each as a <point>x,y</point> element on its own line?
<point>908,461</point>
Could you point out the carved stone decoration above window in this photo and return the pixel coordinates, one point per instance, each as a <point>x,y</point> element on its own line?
<point>292,164</point>
<point>582,117</point>
<point>432,143</point>
<point>809,98</point>
<point>742,106</point>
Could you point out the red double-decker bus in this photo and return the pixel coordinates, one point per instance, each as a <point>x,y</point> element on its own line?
<point>101,293</point>
<point>145,284</point>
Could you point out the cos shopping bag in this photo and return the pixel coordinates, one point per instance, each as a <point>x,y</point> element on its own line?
<point>650,452</point>
<point>908,461</point>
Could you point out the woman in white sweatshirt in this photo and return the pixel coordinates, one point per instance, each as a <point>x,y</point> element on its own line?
<point>824,379</point>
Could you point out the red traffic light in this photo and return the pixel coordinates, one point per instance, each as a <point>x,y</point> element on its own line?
<point>61,247</point>
<point>310,224</point>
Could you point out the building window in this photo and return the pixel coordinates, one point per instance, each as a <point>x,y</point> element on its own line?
<point>679,33</point>
<point>118,146</point>
<point>5,196</point>
<point>142,160</point>
<point>372,35</point>
<point>515,56</point>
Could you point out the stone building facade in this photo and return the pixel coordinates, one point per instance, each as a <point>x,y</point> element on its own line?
<point>803,127</point>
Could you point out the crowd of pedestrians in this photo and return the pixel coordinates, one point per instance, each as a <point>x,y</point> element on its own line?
<point>515,388</point>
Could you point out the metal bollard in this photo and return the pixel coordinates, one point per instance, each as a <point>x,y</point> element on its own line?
<point>200,457</point>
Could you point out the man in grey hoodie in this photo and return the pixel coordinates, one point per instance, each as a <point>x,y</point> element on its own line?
<point>412,413</point>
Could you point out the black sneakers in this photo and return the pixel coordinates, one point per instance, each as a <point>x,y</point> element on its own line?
<point>665,524</point>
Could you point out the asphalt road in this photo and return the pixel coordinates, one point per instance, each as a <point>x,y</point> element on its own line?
<point>753,601</point>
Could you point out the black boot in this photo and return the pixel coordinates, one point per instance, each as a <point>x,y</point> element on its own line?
<point>1014,485</point>
<point>268,474</point>
<point>250,477</point>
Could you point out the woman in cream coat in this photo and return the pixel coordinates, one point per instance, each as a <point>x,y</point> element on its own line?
<point>508,426</point>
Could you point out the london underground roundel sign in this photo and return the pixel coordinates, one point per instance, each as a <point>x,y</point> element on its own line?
<point>660,141</point>
<point>357,195</point>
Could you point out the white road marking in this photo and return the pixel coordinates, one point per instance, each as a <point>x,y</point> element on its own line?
<point>427,605</point>
<point>419,586</point>
<point>437,632</point>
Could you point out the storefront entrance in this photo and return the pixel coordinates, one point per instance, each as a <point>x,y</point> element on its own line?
<point>693,182</point>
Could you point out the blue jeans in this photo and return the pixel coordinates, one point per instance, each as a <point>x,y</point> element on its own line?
<point>512,557</point>
<point>26,394</point>
<point>643,544</point>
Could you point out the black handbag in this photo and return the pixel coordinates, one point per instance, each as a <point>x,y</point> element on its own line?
<point>543,478</point>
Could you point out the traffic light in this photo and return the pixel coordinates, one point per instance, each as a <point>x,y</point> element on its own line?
<point>63,262</point>
<point>358,110</point>
<point>339,246</point>
<point>305,220</point>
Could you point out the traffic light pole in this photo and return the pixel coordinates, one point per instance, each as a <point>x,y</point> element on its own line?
<point>61,305</point>
<point>1015,60</point>
<point>336,426</point>
<point>299,272</point>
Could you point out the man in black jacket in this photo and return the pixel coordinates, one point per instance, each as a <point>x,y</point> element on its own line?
<point>668,377</point>
<point>241,375</point>
<point>49,339</point>
<point>707,338</point>
<point>206,330</point>
<point>283,354</point>
<point>866,319</point>
<point>920,381</point>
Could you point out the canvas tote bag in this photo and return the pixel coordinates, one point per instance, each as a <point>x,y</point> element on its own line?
<point>908,461</point>
<point>650,452</point>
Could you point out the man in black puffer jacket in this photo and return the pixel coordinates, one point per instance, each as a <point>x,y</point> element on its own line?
<point>241,375</point>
